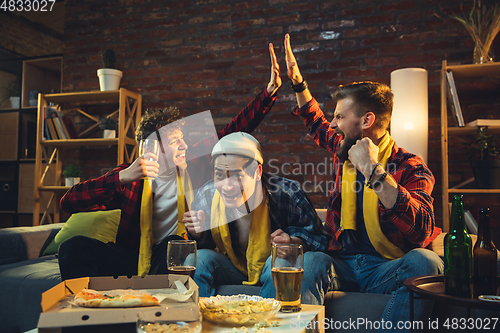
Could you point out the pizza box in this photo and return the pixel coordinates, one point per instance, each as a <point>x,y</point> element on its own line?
<point>59,315</point>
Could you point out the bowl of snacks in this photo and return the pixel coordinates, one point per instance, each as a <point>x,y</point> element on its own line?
<point>161,320</point>
<point>238,309</point>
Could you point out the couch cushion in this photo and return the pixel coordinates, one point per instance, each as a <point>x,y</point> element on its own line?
<point>22,243</point>
<point>21,287</point>
<point>101,225</point>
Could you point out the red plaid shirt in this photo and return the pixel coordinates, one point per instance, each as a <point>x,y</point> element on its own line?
<point>106,193</point>
<point>410,223</point>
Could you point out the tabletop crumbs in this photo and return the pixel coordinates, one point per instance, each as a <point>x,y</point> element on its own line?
<point>257,328</point>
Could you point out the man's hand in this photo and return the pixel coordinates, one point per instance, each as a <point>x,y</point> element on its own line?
<point>275,81</point>
<point>142,167</point>
<point>281,237</point>
<point>292,69</point>
<point>363,156</point>
<point>293,72</point>
<point>194,221</point>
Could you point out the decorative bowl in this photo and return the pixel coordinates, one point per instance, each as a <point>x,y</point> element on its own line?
<point>238,309</point>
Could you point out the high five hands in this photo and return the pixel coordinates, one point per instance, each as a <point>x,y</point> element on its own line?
<point>275,81</point>
<point>292,69</point>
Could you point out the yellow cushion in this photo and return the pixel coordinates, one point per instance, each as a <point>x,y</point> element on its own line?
<point>101,225</point>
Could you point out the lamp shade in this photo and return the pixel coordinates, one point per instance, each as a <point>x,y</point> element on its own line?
<point>409,123</point>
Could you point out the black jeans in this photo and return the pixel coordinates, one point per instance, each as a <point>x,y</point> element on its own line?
<point>81,256</point>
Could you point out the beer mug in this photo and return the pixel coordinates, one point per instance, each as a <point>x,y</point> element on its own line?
<point>287,268</point>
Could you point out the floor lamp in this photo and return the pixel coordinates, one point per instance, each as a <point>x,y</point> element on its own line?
<point>409,124</point>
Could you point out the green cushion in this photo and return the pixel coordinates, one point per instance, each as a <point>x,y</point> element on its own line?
<point>101,225</point>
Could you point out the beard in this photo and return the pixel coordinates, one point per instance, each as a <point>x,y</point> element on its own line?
<point>343,151</point>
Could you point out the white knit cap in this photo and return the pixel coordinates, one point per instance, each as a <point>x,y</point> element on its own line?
<point>239,143</point>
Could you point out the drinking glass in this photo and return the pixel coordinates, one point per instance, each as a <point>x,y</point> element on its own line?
<point>287,268</point>
<point>149,146</point>
<point>181,257</point>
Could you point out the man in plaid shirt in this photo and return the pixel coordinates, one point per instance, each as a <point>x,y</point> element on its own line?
<point>122,188</point>
<point>376,244</point>
<point>253,210</point>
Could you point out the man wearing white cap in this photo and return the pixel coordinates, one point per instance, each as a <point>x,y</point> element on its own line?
<point>242,212</point>
<point>149,218</point>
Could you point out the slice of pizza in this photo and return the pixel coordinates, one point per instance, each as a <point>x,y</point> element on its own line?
<point>114,299</point>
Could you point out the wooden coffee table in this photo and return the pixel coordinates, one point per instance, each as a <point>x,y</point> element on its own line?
<point>432,287</point>
<point>309,320</point>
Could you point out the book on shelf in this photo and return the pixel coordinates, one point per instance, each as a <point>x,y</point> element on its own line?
<point>53,132</point>
<point>59,129</point>
<point>470,222</point>
<point>484,122</point>
<point>43,117</point>
<point>70,127</point>
<point>65,130</point>
<point>46,134</point>
<point>454,102</point>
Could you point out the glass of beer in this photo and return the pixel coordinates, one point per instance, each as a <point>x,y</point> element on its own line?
<point>181,257</point>
<point>149,146</point>
<point>287,267</point>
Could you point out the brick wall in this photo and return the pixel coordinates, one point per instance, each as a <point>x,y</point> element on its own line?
<point>212,54</point>
<point>23,38</point>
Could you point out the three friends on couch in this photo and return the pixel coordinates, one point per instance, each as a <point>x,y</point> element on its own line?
<point>379,219</point>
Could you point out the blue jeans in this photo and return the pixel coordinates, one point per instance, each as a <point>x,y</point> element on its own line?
<point>213,269</point>
<point>371,274</point>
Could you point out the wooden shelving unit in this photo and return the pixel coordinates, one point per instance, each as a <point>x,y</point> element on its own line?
<point>18,132</point>
<point>460,72</point>
<point>129,114</point>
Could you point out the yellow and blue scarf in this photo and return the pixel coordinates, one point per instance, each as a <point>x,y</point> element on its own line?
<point>370,204</point>
<point>259,242</point>
<point>146,216</point>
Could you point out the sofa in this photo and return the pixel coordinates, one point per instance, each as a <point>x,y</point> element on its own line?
<point>25,274</point>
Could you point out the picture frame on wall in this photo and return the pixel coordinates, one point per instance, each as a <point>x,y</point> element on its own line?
<point>454,102</point>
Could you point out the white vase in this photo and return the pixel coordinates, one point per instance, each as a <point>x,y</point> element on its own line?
<point>70,181</point>
<point>109,134</point>
<point>109,79</point>
<point>15,102</point>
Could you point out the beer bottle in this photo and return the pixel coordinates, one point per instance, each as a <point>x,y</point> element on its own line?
<point>457,254</point>
<point>485,258</point>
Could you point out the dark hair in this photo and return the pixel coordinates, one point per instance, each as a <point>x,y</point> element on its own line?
<point>369,97</point>
<point>155,119</point>
<point>249,167</point>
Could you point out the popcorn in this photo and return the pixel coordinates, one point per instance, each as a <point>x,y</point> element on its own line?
<point>165,328</point>
<point>240,307</point>
<point>238,310</point>
<point>262,324</point>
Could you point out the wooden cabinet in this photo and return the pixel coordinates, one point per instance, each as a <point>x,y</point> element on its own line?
<point>128,115</point>
<point>460,73</point>
<point>19,77</point>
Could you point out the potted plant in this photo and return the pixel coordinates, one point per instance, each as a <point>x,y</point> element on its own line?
<point>109,76</point>
<point>13,92</point>
<point>72,173</point>
<point>482,24</point>
<point>108,125</point>
<point>484,158</point>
